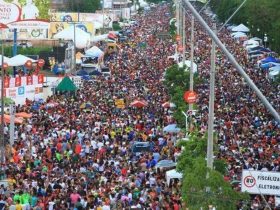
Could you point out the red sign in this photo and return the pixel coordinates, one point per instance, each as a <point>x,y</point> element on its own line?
<point>18,81</point>
<point>6,82</point>
<point>29,80</point>
<point>40,79</point>
<point>190,97</point>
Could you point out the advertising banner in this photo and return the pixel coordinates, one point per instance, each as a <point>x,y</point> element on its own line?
<point>64,17</point>
<point>56,27</point>
<point>260,182</point>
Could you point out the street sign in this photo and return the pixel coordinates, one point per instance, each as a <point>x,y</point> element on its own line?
<point>190,97</point>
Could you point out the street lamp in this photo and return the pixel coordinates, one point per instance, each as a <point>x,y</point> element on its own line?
<point>265,39</point>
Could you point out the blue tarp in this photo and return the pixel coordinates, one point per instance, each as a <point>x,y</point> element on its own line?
<point>259,48</point>
<point>172,128</point>
<point>82,73</point>
<point>270,59</point>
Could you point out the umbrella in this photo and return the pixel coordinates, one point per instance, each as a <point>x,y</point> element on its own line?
<point>23,115</point>
<point>168,105</point>
<point>87,105</point>
<point>172,128</point>
<point>138,104</point>
<point>165,164</point>
<point>7,119</point>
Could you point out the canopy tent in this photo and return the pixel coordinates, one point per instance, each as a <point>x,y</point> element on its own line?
<point>251,42</point>
<point>7,119</point>
<point>139,104</point>
<point>188,64</point>
<point>241,28</point>
<point>165,164</point>
<point>270,59</point>
<point>259,48</point>
<point>82,38</point>
<point>6,59</point>
<point>238,35</point>
<point>97,25</point>
<point>99,38</point>
<point>172,174</point>
<point>23,115</point>
<point>172,128</point>
<point>66,85</point>
<point>82,73</point>
<point>94,52</point>
<point>275,68</point>
<point>19,60</point>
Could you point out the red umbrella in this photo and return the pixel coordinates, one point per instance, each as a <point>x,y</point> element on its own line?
<point>168,105</point>
<point>138,104</point>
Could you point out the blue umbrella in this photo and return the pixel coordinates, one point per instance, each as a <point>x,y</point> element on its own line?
<point>172,128</point>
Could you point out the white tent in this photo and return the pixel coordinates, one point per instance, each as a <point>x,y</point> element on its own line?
<point>82,37</point>
<point>251,42</point>
<point>238,35</point>
<point>241,28</point>
<point>97,25</point>
<point>6,59</point>
<point>19,60</point>
<point>94,52</point>
<point>188,64</point>
<point>99,38</point>
<point>172,174</point>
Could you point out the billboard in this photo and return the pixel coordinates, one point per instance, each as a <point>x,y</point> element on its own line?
<point>56,27</point>
<point>18,10</point>
<point>260,182</point>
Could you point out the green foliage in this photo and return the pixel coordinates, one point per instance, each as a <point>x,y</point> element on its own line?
<point>200,192</point>
<point>256,14</point>
<point>116,27</point>
<point>172,29</point>
<point>193,166</point>
<point>84,5</point>
<point>8,51</point>
<point>177,82</point>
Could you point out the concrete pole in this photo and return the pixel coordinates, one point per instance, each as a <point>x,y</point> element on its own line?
<point>2,103</point>
<point>177,17</point>
<point>74,49</point>
<point>234,62</point>
<point>211,105</point>
<point>184,35</point>
<point>12,124</point>
<point>192,58</point>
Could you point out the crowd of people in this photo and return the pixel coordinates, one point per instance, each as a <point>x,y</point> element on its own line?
<point>69,157</point>
<point>73,157</point>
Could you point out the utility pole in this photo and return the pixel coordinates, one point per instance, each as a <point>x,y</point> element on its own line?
<point>74,48</point>
<point>192,60</point>
<point>177,17</point>
<point>2,102</point>
<point>234,62</point>
<point>211,105</point>
<point>184,35</point>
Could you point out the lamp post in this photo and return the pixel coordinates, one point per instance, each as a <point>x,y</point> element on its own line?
<point>265,39</point>
<point>2,27</point>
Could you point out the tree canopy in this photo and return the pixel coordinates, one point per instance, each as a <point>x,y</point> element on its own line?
<point>84,5</point>
<point>256,14</point>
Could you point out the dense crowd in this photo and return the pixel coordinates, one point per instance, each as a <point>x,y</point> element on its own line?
<point>73,157</point>
<point>68,157</point>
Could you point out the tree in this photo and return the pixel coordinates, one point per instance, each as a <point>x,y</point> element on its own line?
<point>84,5</point>
<point>262,14</point>
<point>197,190</point>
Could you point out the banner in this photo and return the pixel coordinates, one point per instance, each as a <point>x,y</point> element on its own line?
<point>20,10</point>
<point>120,103</point>
<point>6,82</point>
<point>18,81</point>
<point>64,17</point>
<point>40,79</point>
<point>56,27</point>
<point>29,80</point>
<point>260,182</point>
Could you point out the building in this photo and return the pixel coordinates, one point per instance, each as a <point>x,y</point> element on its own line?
<point>58,4</point>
